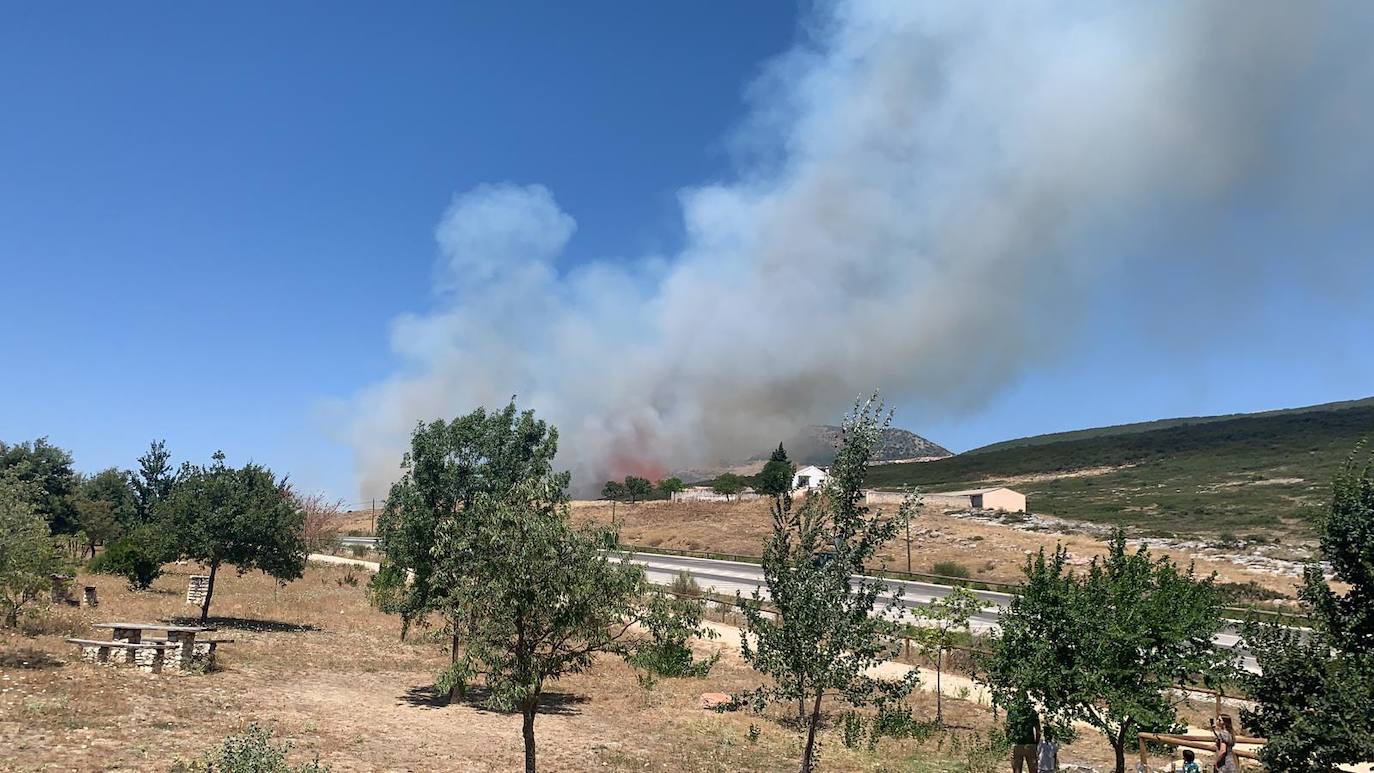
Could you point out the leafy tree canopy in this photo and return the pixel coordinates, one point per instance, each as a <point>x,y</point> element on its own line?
<point>637,489</point>
<point>1105,646</point>
<point>28,556</point>
<point>671,486</point>
<point>614,490</point>
<point>49,469</point>
<point>776,477</point>
<point>728,484</point>
<point>449,465</point>
<point>241,516</point>
<point>1315,688</point>
<point>532,597</point>
<point>115,488</point>
<point>153,482</point>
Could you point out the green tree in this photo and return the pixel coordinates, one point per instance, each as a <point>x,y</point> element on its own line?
<point>449,465</point>
<point>115,487</point>
<point>1105,647</point>
<point>1314,688</point>
<point>729,484</point>
<point>827,632</point>
<point>28,555</point>
<point>776,477</point>
<point>670,486</point>
<point>614,490</point>
<point>137,556</point>
<point>672,623</point>
<point>945,618</point>
<point>533,597</point>
<point>637,489</point>
<point>154,481</point>
<point>240,516</point>
<point>97,522</point>
<point>48,469</point>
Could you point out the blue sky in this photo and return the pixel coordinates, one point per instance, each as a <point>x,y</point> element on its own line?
<point>210,219</point>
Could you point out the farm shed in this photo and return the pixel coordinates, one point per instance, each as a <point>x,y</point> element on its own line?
<point>979,499</point>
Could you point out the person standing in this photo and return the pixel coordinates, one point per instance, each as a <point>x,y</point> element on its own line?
<point>1023,731</point>
<point>1047,753</point>
<point>1226,761</point>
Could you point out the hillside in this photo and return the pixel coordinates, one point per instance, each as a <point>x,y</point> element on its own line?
<point>815,444</point>
<point>1147,426</point>
<point>1249,475</point>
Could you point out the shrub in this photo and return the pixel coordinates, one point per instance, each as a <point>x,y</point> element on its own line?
<point>358,551</point>
<point>137,558</point>
<point>672,623</point>
<point>251,751</point>
<point>950,569</point>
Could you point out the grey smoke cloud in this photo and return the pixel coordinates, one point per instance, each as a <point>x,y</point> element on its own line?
<point>925,194</point>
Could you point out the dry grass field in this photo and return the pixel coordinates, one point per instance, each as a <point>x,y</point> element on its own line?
<point>990,552</point>
<point>315,663</point>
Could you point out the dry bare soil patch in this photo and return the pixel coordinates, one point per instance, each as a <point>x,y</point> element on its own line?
<point>991,552</point>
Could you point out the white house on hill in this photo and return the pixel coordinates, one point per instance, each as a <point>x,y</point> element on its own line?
<point>809,477</point>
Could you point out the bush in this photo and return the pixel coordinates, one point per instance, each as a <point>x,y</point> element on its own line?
<point>137,558</point>
<point>251,751</point>
<point>950,569</point>
<point>672,623</point>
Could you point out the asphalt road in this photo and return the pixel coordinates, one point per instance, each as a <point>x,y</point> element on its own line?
<point>729,577</point>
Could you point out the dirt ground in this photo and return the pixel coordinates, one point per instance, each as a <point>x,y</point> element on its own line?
<point>314,662</point>
<point>989,551</point>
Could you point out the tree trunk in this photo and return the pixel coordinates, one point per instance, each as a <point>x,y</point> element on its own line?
<point>528,711</point>
<point>808,761</point>
<point>939,708</point>
<point>12,617</point>
<point>209,592</point>
<point>456,691</point>
<point>1119,746</point>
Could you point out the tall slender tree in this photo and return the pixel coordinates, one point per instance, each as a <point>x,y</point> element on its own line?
<point>828,631</point>
<point>944,618</point>
<point>153,482</point>
<point>775,478</point>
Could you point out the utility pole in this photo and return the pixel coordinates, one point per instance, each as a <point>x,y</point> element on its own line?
<point>374,532</point>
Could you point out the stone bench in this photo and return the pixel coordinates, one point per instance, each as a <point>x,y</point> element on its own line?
<point>146,656</point>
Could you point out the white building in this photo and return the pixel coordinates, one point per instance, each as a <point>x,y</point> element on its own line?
<point>809,477</point>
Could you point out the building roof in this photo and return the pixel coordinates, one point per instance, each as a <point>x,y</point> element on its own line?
<point>969,492</point>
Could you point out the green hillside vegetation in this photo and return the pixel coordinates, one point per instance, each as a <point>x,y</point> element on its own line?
<point>1254,476</point>
<point>1148,426</point>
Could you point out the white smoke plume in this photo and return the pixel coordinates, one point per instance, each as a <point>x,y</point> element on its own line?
<point>925,194</point>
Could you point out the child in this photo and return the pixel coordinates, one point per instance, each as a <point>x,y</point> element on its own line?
<point>1189,764</point>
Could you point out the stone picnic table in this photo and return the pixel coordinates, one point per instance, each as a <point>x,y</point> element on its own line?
<point>126,645</point>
